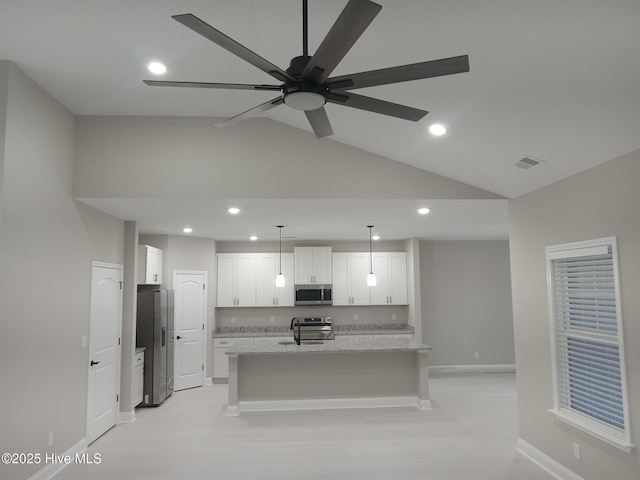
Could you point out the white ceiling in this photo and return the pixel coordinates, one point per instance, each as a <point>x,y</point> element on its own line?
<point>555,80</point>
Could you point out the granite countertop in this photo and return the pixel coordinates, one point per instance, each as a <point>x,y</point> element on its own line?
<point>331,346</point>
<point>283,331</point>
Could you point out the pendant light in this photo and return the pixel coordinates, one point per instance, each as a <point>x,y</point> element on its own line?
<point>371,278</point>
<point>280,276</point>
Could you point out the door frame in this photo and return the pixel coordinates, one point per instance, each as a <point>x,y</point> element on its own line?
<point>118,355</point>
<point>205,358</point>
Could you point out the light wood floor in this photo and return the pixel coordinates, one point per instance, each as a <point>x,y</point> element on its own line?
<point>469,435</point>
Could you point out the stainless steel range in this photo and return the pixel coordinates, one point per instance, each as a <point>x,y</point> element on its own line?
<point>312,329</point>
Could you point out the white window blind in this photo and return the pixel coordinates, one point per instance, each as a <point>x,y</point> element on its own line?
<point>590,386</point>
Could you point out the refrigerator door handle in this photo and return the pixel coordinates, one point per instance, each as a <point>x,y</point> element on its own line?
<point>164,336</point>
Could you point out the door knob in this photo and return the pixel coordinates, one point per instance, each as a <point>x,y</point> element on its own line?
<point>94,363</point>
<point>178,337</point>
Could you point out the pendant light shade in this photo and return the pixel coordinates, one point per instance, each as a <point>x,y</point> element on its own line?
<point>280,277</point>
<point>371,278</point>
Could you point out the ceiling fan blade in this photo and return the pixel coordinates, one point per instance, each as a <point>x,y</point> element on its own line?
<point>319,122</point>
<point>219,38</point>
<point>352,22</point>
<point>403,73</point>
<point>232,86</point>
<point>252,112</point>
<point>376,106</point>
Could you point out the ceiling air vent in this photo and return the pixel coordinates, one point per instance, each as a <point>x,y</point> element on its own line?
<point>526,163</point>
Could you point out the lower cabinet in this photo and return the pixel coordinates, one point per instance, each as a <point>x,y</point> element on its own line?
<point>138,377</point>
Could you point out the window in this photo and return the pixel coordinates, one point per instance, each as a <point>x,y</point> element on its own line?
<point>588,351</point>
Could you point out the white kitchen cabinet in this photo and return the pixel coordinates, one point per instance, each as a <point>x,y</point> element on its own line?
<point>220,360</point>
<point>138,376</point>
<point>390,269</point>
<point>267,267</point>
<point>313,265</point>
<point>236,279</point>
<point>350,272</point>
<point>149,265</point>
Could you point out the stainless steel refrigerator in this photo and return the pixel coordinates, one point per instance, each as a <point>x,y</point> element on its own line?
<point>154,331</point>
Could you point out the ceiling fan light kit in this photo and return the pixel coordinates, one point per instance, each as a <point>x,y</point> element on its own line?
<point>307,85</point>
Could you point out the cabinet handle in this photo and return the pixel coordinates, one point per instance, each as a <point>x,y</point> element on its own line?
<point>155,277</point>
<point>390,299</point>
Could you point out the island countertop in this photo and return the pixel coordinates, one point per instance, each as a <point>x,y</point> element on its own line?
<point>330,346</point>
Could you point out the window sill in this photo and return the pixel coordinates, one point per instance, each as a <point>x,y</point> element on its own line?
<point>593,429</point>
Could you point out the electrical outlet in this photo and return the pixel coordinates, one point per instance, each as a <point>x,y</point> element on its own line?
<point>476,355</point>
<point>576,450</point>
<point>51,439</point>
<point>233,319</point>
<point>273,318</point>
<point>355,317</point>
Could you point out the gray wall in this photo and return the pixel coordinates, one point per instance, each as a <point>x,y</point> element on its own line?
<point>466,302</point>
<point>47,244</point>
<point>598,203</point>
<point>189,253</point>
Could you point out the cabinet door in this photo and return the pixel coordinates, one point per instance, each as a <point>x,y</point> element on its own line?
<point>341,293</point>
<point>313,265</point>
<point>154,257</point>
<point>358,271</point>
<point>149,265</point>
<point>226,280</point>
<point>220,363</point>
<point>303,265</point>
<point>380,293</point>
<point>322,265</point>
<point>398,293</point>
<point>246,279</point>
<point>266,279</point>
<point>285,295</point>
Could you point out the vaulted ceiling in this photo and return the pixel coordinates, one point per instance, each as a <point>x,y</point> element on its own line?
<point>552,80</point>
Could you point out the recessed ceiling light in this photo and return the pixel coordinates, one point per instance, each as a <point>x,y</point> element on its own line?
<point>437,129</point>
<point>157,68</point>
<point>187,229</point>
<point>234,210</point>
<point>253,238</point>
<point>423,211</point>
<point>376,237</point>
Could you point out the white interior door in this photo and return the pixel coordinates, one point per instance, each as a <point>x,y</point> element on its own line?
<point>190,313</point>
<point>104,349</point>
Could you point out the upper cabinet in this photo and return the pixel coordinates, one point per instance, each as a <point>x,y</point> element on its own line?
<point>249,280</point>
<point>313,265</point>
<point>267,267</point>
<point>391,279</point>
<point>149,265</point>
<point>350,272</point>
<point>236,279</point>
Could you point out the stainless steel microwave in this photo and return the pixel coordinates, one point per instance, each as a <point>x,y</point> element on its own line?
<point>313,295</point>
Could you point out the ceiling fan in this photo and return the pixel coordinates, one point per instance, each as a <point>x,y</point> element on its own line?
<point>307,85</point>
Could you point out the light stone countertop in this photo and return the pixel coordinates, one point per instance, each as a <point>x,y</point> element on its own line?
<point>331,346</point>
<point>280,331</point>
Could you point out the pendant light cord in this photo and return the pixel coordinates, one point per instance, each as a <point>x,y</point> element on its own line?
<point>370,251</point>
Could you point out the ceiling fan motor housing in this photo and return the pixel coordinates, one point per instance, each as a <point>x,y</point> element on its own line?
<point>301,95</point>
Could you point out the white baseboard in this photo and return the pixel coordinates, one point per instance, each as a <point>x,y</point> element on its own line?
<point>127,417</point>
<point>327,404</point>
<point>53,468</point>
<point>545,461</point>
<point>490,368</point>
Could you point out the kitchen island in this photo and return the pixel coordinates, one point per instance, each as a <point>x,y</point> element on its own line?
<point>330,374</point>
